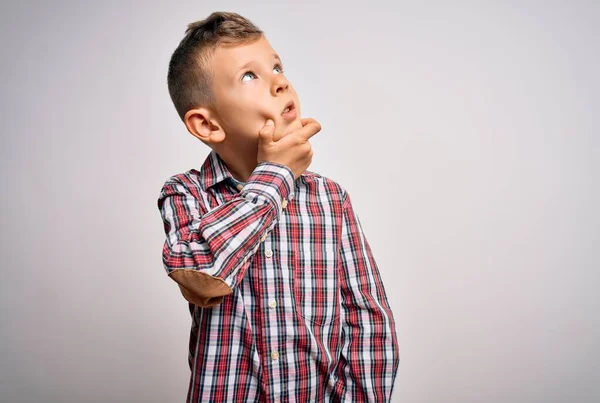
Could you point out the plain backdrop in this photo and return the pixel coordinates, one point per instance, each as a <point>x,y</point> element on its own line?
<point>467,134</point>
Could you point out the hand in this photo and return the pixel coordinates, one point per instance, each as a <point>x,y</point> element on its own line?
<point>292,150</point>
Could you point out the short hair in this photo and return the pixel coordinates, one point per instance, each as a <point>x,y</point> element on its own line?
<point>190,77</point>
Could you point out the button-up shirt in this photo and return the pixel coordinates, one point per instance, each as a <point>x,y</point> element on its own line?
<point>286,299</point>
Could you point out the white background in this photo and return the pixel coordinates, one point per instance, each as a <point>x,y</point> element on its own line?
<point>466,133</point>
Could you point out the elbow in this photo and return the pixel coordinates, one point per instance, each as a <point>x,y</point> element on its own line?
<point>200,288</point>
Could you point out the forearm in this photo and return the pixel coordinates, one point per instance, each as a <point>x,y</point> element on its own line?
<point>208,253</point>
<point>370,356</point>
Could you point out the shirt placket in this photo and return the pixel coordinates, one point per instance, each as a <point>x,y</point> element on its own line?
<point>270,332</point>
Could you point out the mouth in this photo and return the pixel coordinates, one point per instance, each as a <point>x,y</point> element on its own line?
<point>288,107</point>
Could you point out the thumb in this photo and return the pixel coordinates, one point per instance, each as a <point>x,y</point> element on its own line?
<point>266,132</point>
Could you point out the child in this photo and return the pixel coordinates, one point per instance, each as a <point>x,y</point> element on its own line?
<point>286,299</point>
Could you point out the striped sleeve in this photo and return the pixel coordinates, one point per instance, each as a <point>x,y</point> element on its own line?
<point>369,354</point>
<point>208,254</point>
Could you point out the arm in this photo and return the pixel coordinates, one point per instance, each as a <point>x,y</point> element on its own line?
<point>207,255</point>
<point>369,358</point>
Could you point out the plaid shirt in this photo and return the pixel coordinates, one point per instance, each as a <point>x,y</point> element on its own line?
<point>286,299</point>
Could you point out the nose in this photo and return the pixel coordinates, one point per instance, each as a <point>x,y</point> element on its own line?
<point>280,85</point>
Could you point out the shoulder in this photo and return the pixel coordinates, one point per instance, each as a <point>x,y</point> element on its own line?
<point>190,177</point>
<point>320,183</point>
<point>188,181</point>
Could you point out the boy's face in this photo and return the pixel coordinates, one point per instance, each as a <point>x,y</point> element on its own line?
<point>250,88</point>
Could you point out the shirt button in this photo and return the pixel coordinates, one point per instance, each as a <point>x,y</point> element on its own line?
<point>284,203</point>
<point>272,303</point>
<point>262,239</point>
<point>274,355</point>
<point>268,253</point>
<point>240,186</point>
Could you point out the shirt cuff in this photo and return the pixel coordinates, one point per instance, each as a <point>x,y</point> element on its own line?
<point>271,181</point>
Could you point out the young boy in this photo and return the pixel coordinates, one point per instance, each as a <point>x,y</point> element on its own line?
<point>286,299</point>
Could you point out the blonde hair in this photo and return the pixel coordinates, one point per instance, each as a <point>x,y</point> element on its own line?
<point>190,77</point>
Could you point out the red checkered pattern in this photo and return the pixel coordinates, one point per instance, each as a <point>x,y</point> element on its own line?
<point>286,299</point>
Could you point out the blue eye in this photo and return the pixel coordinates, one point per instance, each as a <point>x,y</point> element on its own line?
<point>250,71</point>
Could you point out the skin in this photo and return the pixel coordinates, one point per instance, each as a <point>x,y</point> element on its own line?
<point>245,99</point>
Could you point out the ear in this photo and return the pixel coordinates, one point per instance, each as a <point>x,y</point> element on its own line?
<point>202,124</point>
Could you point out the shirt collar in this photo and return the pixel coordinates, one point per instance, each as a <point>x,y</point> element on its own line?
<point>214,171</point>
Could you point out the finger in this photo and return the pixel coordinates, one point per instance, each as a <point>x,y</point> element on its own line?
<point>266,132</point>
<point>309,129</point>
<point>304,121</point>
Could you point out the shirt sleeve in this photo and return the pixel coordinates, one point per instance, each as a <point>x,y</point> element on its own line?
<point>369,354</point>
<point>208,254</point>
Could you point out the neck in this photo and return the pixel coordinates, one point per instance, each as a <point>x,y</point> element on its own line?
<point>240,162</point>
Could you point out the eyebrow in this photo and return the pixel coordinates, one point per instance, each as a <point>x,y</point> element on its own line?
<point>274,55</point>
